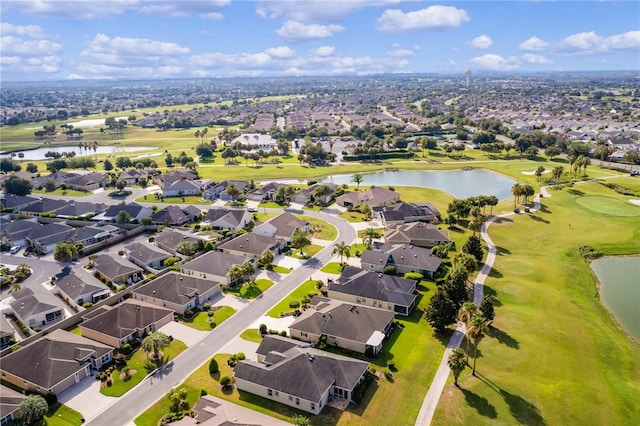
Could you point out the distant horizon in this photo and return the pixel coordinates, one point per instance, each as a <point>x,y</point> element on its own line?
<point>121,40</point>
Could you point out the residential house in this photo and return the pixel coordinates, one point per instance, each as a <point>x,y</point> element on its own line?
<point>404,257</point>
<point>15,203</point>
<point>94,234</point>
<point>178,292</point>
<point>169,178</point>
<point>10,400</point>
<point>407,212</point>
<point>45,238</point>
<point>88,181</point>
<point>7,334</point>
<point>77,291</point>
<point>168,240</point>
<point>309,193</point>
<point>251,245</point>
<point>44,205</point>
<point>145,256</point>
<point>117,270</point>
<point>79,209</point>
<point>54,362</point>
<point>182,188</point>
<point>416,233</point>
<point>374,197</point>
<point>375,289</point>
<point>294,374</point>
<point>212,266</point>
<point>14,232</point>
<point>281,227</point>
<point>354,327</point>
<point>123,323</point>
<point>219,190</point>
<point>135,210</point>
<point>58,178</point>
<point>35,310</point>
<point>265,192</point>
<point>256,141</point>
<point>231,219</point>
<point>170,215</point>
<point>132,176</point>
<point>212,411</point>
<point>194,212</point>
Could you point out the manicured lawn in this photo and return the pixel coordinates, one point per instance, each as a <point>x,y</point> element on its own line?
<point>200,321</point>
<point>61,415</point>
<point>307,253</point>
<point>190,199</point>
<point>251,291</point>
<point>556,356</point>
<point>139,362</point>
<point>271,205</point>
<point>380,231</point>
<point>297,294</point>
<point>263,217</point>
<point>252,335</point>
<point>75,330</point>
<point>66,192</point>
<point>327,231</point>
<point>332,268</point>
<point>352,216</point>
<point>280,269</point>
<point>357,248</point>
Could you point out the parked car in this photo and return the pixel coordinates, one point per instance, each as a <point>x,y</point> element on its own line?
<point>14,249</point>
<point>252,209</point>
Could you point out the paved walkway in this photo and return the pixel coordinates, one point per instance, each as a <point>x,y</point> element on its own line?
<point>442,374</point>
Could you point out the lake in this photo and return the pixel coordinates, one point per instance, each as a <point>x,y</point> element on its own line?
<point>619,279</point>
<point>38,154</point>
<point>458,183</point>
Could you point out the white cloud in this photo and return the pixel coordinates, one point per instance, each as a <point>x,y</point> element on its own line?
<point>10,45</point>
<point>308,11</point>
<point>33,31</point>
<point>280,52</point>
<point>589,43</point>
<point>212,16</point>
<point>297,31</point>
<point>432,18</point>
<point>401,53</point>
<point>323,51</point>
<point>129,51</point>
<point>533,44</point>
<point>536,59</point>
<point>581,41</point>
<point>482,42</point>
<point>34,65</point>
<point>493,62</point>
<point>629,40</point>
<point>75,77</point>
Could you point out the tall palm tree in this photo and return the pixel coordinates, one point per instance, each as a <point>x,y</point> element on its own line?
<point>31,410</point>
<point>369,234</point>
<point>155,342</point>
<point>267,257</point>
<point>465,313</point>
<point>177,396</point>
<point>539,172</point>
<point>248,271</point>
<point>456,364</point>
<point>479,328</point>
<point>516,190</point>
<point>557,173</point>
<point>528,192</point>
<point>322,192</point>
<point>357,178</point>
<point>342,249</point>
<point>301,238</point>
<point>235,274</point>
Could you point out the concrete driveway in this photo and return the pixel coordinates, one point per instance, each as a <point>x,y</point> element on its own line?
<point>85,397</point>
<point>190,336</point>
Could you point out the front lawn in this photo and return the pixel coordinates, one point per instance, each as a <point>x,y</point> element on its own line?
<point>188,199</point>
<point>303,290</point>
<point>200,321</point>
<point>62,415</point>
<point>251,335</point>
<point>280,269</point>
<point>326,230</point>
<point>307,252</point>
<point>138,361</point>
<point>251,291</point>
<point>65,192</point>
<point>332,268</point>
<point>352,216</point>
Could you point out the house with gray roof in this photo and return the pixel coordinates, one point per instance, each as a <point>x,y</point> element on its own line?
<point>45,238</point>
<point>301,377</point>
<point>135,210</point>
<point>256,141</point>
<point>125,322</point>
<point>178,292</point>
<point>14,232</point>
<point>168,178</point>
<point>419,234</point>
<point>354,327</point>
<point>117,270</point>
<point>54,362</point>
<point>58,178</point>
<point>169,238</point>
<point>281,227</point>
<point>219,190</point>
<point>374,197</point>
<point>10,400</point>
<point>16,203</point>
<point>170,215</point>
<point>213,266</point>
<point>94,234</point>
<point>44,205</point>
<point>36,310</point>
<point>309,194</point>
<point>145,255</point>
<point>76,291</point>
<point>265,192</point>
<point>79,209</point>
<point>231,219</point>
<point>212,411</point>
<point>7,333</point>
<point>182,187</point>
<point>404,257</point>
<point>251,245</point>
<point>374,289</point>
<point>88,181</point>
<point>407,212</point>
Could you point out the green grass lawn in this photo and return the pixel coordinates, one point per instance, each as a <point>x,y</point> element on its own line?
<point>307,253</point>
<point>139,362</point>
<point>327,231</point>
<point>297,294</point>
<point>280,269</point>
<point>252,335</point>
<point>189,199</point>
<point>75,330</point>
<point>352,216</point>
<point>332,268</point>
<point>200,321</point>
<point>65,192</point>
<point>251,291</point>
<point>556,356</point>
<point>62,415</point>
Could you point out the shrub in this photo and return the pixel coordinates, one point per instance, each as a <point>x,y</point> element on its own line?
<point>209,314</point>
<point>590,252</point>
<point>50,397</point>
<point>170,261</point>
<point>240,356</point>
<point>294,304</point>
<point>413,276</point>
<point>126,349</point>
<point>109,383</point>
<point>120,359</point>
<point>120,252</point>
<point>390,270</point>
<point>283,333</point>
<point>213,366</point>
<point>225,381</point>
<point>263,329</point>
<point>87,304</point>
<point>203,392</point>
<point>206,306</point>
<point>188,313</point>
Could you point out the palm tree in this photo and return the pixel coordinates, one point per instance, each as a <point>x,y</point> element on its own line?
<point>585,162</point>
<point>32,409</point>
<point>23,268</point>
<point>478,329</point>
<point>233,191</point>
<point>527,192</point>
<point>571,159</point>
<point>456,364</point>
<point>247,272</point>
<point>342,249</point>
<point>177,397</point>
<point>465,313</point>
<point>369,234</point>
<point>539,172</point>
<point>14,287</point>
<point>235,274</point>
<point>301,238</point>
<point>322,192</point>
<point>357,178</point>
<point>266,258</point>
<point>155,342</point>
<point>516,190</point>
<point>63,252</point>
<point>557,174</point>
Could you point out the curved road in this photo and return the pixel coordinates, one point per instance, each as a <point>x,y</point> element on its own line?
<point>129,406</point>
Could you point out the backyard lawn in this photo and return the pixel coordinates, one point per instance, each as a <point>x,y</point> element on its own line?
<point>200,321</point>
<point>251,291</point>
<point>304,289</point>
<point>555,356</point>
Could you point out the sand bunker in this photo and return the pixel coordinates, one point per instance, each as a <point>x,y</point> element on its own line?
<point>528,173</point>
<point>636,202</point>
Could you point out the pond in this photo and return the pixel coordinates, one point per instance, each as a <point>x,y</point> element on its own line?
<point>458,183</point>
<point>38,154</point>
<point>619,279</point>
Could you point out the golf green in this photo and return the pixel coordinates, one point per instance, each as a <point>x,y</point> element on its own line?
<point>608,206</point>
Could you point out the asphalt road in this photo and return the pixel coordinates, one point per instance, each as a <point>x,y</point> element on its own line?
<point>137,400</point>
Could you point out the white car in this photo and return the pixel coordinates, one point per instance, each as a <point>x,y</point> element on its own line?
<point>14,249</point>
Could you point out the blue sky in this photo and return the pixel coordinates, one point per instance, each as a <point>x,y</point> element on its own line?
<point>133,39</point>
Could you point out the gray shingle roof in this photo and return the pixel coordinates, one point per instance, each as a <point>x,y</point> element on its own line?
<point>176,288</point>
<point>214,263</point>
<point>250,243</point>
<point>27,303</point>
<point>125,318</point>
<point>145,253</point>
<point>73,286</point>
<point>112,266</point>
<point>373,285</point>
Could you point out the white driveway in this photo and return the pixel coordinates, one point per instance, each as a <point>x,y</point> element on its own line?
<point>190,336</point>
<point>85,398</point>
<point>238,344</point>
